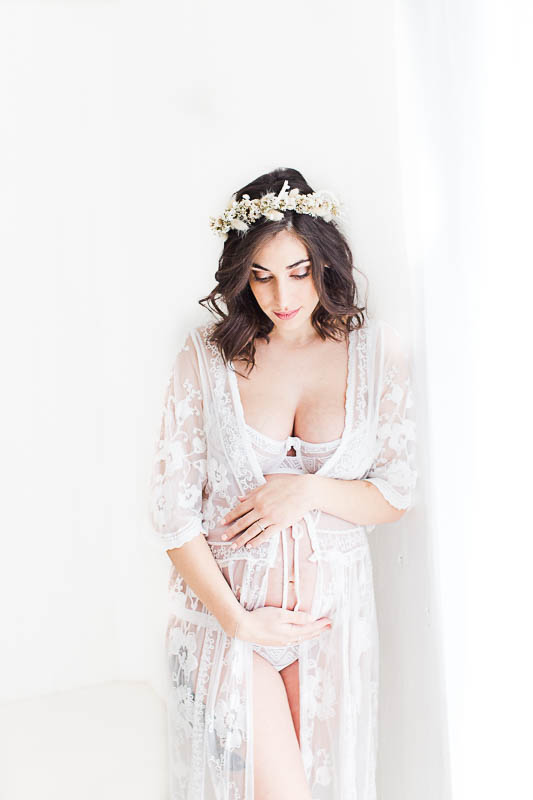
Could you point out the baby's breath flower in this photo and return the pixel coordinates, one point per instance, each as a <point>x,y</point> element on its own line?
<point>240,214</point>
<point>239,225</point>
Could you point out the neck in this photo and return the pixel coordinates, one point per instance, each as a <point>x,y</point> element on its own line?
<point>298,337</point>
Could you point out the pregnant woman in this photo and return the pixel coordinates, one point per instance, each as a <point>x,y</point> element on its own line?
<point>288,433</point>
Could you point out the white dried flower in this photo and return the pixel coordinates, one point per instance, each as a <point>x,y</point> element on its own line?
<point>271,213</point>
<point>239,215</point>
<point>239,224</point>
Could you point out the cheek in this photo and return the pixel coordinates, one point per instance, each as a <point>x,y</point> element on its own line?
<point>256,291</point>
<point>311,292</point>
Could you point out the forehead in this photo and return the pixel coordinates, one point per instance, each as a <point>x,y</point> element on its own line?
<point>281,252</point>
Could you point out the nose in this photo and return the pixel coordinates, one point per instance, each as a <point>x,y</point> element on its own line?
<point>282,298</point>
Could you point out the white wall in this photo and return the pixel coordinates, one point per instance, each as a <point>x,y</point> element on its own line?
<point>466,126</point>
<point>435,45</point>
<point>129,125</point>
<point>60,195</point>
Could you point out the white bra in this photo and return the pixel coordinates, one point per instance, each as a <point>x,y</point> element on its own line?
<point>272,453</point>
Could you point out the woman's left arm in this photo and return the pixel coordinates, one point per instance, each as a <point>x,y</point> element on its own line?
<point>357,501</point>
<point>285,498</point>
<point>385,493</point>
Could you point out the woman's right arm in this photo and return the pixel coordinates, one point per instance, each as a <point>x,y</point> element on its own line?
<point>179,476</point>
<point>196,564</point>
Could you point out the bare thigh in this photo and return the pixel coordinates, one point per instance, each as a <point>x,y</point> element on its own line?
<point>278,767</point>
<point>291,678</point>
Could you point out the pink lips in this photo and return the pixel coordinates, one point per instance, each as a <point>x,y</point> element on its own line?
<point>289,315</point>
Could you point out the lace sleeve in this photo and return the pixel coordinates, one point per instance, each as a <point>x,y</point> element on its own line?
<point>394,471</point>
<point>179,470</point>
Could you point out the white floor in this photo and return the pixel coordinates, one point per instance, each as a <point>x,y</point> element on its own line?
<point>105,742</point>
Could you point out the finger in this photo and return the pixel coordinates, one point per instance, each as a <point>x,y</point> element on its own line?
<point>298,617</point>
<point>254,532</point>
<point>231,515</point>
<point>308,631</point>
<point>318,625</point>
<point>244,521</point>
<point>236,512</point>
<point>241,541</point>
<point>245,538</point>
<point>266,534</point>
<point>301,639</point>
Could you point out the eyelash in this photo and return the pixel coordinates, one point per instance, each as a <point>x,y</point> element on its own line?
<point>298,277</point>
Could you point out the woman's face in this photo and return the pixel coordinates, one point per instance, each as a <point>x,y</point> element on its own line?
<point>281,281</point>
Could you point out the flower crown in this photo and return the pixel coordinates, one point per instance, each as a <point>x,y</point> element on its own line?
<point>241,214</point>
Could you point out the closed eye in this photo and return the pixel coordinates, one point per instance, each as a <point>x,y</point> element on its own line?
<point>298,277</point>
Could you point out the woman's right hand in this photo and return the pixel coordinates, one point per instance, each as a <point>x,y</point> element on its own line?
<point>270,625</point>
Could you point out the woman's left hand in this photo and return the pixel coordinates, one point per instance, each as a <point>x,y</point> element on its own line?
<point>276,504</point>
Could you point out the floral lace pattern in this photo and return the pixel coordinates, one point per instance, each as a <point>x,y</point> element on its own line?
<point>203,461</point>
<point>394,471</point>
<point>180,467</point>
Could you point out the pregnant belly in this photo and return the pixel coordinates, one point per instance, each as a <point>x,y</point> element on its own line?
<point>299,575</point>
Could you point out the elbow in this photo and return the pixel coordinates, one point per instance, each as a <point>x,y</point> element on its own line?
<point>397,513</point>
<point>386,495</point>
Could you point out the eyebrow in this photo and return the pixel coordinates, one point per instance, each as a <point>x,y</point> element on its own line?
<point>302,261</point>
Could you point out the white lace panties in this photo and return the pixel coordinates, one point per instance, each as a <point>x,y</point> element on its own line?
<point>279,657</point>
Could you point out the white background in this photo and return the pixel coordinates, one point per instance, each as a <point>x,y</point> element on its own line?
<point>123,127</point>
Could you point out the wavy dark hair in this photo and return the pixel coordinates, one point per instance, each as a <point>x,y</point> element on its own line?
<point>338,310</point>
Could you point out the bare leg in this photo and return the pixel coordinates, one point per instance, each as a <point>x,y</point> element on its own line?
<point>291,678</point>
<point>278,767</point>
